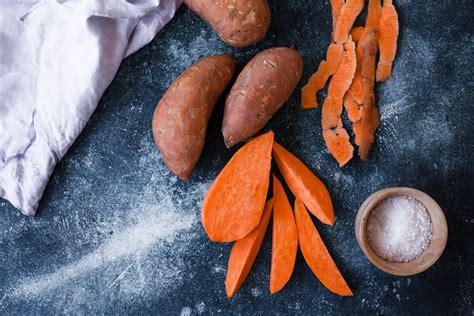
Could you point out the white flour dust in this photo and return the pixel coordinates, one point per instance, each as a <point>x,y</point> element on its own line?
<point>140,237</point>
<point>146,255</point>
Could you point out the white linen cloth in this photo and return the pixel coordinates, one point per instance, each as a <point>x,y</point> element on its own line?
<point>57,57</point>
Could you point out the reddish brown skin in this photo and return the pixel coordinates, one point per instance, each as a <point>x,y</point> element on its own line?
<point>180,119</point>
<point>238,23</point>
<point>262,87</point>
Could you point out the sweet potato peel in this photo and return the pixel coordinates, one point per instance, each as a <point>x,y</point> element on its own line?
<point>318,80</point>
<point>365,128</point>
<point>347,16</point>
<point>284,239</point>
<point>336,6</point>
<point>304,184</point>
<point>234,203</point>
<point>334,133</point>
<point>344,74</point>
<point>353,109</point>
<point>244,251</point>
<point>316,254</point>
<point>374,12</point>
<point>356,33</point>
<point>387,40</point>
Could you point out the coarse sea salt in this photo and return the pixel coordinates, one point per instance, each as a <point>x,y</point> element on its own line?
<point>399,229</point>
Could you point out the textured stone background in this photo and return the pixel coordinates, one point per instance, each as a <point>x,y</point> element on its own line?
<point>117,233</point>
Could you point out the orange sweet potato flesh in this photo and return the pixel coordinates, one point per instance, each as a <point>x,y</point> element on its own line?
<point>334,134</point>
<point>244,251</point>
<point>233,205</point>
<point>316,254</point>
<point>284,239</point>
<point>347,16</point>
<point>304,184</point>
<point>387,40</point>
<point>365,128</point>
<point>318,80</point>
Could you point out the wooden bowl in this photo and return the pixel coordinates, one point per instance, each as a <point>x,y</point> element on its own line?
<point>431,254</point>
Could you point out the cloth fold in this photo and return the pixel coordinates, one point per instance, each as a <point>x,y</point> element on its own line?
<point>56,60</point>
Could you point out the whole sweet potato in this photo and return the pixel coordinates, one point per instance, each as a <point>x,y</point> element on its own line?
<point>262,87</point>
<point>181,117</point>
<point>239,23</point>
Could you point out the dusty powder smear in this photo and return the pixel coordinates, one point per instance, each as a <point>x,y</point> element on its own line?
<point>399,229</point>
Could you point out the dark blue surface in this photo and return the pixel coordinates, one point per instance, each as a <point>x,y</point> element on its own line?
<point>117,233</point>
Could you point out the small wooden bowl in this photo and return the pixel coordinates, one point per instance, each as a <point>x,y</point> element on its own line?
<point>431,254</point>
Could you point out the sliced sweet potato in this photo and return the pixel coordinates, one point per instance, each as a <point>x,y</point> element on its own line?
<point>244,251</point>
<point>304,184</point>
<point>316,254</point>
<point>284,239</point>
<point>234,203</point>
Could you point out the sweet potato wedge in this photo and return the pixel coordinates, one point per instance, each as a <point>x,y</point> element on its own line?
<point>234,203</point>
<point>304,184</point>
<point>284,239</point>
<point>316,254</point>
<point>244,251</point>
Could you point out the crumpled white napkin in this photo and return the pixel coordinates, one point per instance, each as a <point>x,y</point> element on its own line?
<point>57,57</point>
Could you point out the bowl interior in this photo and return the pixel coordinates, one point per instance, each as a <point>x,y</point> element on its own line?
<point>431,254</point>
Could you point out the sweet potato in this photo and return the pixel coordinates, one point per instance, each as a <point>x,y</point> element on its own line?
<point>316,254</point>
<point>284,239</point>
<point>304,184</point>
<point>262,87</point>
<point>181,117</point>
<point>238,23</point>
<point>244,251</point>
<point>234,203</point>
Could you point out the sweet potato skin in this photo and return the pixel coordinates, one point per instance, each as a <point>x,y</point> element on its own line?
<point>262,87</point>
<point>238,23</point>
<point>181,116</point>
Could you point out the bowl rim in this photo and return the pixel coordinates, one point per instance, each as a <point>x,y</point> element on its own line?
<point>429,256</point>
